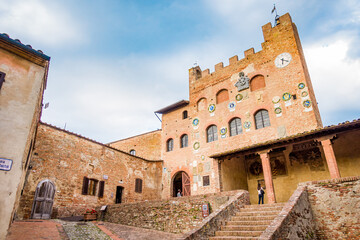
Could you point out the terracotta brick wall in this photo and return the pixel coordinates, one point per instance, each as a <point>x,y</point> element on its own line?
<point>294,116</point>
<point>66,158</point>
<point>146,145</point>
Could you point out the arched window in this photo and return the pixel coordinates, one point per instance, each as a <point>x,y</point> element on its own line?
<point>211,133</point>
<point>222,96</point>
<point>185,114</point>
<point>201,104</point>
<point>132,152</point>
<point>235,126</point>
<point>169,145</point>
<point>184,141</point>
<point>262,119</point>
<point>257,82</point>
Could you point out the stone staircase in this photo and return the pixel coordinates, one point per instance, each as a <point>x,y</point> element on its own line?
<point>249,223</point>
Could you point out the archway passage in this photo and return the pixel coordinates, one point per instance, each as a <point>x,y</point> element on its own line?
<point>181,181</point>
<point>43,201</point>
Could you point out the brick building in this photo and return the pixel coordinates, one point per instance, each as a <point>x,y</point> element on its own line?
<point>209,143</point>
<point>253,121</point>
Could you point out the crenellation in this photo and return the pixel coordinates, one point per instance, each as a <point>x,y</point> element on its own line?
<point>233,59</point>
<point>205,72</point>
<point>219,66</point>
<point>249,52</point>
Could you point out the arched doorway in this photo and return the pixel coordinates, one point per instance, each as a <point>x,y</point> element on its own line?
<point>43,200</point>
<point>181,181</point>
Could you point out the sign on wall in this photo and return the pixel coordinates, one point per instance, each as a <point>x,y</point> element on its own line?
<point>5,164</point>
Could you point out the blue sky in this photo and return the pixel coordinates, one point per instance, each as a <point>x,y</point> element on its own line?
<point>113,63</point>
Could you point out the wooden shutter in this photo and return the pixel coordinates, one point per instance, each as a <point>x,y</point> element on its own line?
<point>85,186</point>
<point>2,78</point>
<point>185,184</point>
<point>138,185</point>
<point>101,188</point>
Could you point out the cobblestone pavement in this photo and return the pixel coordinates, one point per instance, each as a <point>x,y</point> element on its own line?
<point>64,230</point>
<point>134,233</point>
<point>84,230</point>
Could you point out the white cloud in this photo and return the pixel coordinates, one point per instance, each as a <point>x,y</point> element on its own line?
<point>38,21</point>
<point>335,77</point>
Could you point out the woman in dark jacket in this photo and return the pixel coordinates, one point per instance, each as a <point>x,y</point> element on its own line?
<point>261,193</point>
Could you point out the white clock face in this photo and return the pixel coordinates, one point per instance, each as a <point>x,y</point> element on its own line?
<point>282,60</point>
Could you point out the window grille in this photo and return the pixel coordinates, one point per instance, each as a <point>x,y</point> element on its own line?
<point>212,133</point>
<point>170,145</point>
<point>262,119</point>
<point>184,141</point>
<point>235,126</point>
<point>206,180</point>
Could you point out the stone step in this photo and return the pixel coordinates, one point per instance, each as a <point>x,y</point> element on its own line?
<point>265,205</point>
<point>244,228</point>
<point>278,208</point>
<point>253,218</point>
<point>239,233</point>
<point>252,223</point>
<point>232,238</point>
<point>257,213</point>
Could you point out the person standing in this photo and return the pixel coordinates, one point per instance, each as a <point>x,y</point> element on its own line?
<point>261,193</point>
<point>178,193</point>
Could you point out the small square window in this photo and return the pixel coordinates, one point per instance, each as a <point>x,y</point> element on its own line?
<point>206,181</point>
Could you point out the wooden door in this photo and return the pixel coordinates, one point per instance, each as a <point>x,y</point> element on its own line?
<point>119,191</point>
<point>185,184</point>
<point>43,201</point>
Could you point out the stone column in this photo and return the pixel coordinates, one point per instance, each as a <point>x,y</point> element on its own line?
<point>330,158</point>
<point>265,161</point>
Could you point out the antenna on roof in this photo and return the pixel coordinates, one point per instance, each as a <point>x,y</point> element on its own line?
<point>277,17</point>
<point>157,117</point>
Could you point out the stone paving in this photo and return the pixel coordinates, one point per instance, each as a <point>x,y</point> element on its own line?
<point>79,230</point>
<point>34,230</point>
<point>83,230</point>
<point>134,233</point>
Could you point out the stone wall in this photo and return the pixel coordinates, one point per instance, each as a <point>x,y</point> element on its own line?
<point>65,159</point>
<point>336,207</point>
<point>295,221</point>
<point>147,145</point>
<point>175,215</point>
<point>213,223</point>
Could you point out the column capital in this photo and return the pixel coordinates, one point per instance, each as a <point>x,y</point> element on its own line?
<point>328,137</point>
<point>264,151</point>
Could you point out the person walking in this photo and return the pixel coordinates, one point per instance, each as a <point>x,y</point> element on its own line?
<point>261,193</point>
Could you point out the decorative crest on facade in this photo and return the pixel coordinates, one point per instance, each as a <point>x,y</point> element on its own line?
<point>243,82</point>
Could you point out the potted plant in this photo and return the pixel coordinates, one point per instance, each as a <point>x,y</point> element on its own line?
<point>90,215</point>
